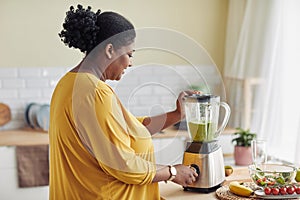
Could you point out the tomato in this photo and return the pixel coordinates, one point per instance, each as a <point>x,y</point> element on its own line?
<point>267,190</point>
<point>297,190</point>
<point>261,182</point>
<point>271,183</point>
<point>282,190</point>
<point>290,189</point>
<point>275,191</point>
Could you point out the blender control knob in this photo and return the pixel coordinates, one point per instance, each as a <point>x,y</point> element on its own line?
<point>196,168</point>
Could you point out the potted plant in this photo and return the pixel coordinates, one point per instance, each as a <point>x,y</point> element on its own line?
<point>242,150</point>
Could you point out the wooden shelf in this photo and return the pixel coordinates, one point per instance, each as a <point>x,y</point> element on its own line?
<point>23,137</point>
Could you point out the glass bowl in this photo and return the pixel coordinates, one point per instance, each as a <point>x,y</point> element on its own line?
<point>272,174</point>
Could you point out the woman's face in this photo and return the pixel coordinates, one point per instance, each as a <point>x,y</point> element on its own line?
<point>122,58</point>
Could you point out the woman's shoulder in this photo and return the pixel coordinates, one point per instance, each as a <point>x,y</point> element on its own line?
<point>86,83</point>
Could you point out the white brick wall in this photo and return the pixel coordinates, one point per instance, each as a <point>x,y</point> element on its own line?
<point>144,90</point>
<point>21,86</point>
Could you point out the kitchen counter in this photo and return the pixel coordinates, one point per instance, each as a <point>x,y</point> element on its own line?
<point>29,136</point>
<point>170,190</point>
<point>172,132</point>
<point>174,191</point>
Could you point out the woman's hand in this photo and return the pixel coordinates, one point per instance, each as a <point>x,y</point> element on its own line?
<point>159,122</point>
<point>185,175</point>
<point>179,101</point>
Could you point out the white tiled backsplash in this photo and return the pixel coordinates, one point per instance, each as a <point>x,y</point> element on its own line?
<point>144,90</point>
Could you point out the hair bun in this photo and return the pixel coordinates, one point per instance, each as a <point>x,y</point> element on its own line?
<point>80,28</point>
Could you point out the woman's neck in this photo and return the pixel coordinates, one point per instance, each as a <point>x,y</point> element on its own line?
<point>80,68</point>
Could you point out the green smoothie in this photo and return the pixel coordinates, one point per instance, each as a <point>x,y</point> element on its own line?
<point>202,132</point>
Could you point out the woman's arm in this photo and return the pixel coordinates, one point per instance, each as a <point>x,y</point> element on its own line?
<point>157,123</point>
<point>185,175</point>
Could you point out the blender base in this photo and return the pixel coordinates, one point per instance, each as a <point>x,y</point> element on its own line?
<point>202,190</point>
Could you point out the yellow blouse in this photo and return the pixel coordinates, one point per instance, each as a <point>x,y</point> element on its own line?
<point>98,150</point>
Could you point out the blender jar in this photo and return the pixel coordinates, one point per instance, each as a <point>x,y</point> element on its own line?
<point>202,116</point>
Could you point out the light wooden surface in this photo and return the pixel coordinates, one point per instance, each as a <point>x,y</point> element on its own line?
<point>172,132</point>
<point>173,191</point>
<point>28,136</point>
<point>23,137</point>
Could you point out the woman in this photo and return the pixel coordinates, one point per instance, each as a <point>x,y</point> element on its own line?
<point>98,150</point>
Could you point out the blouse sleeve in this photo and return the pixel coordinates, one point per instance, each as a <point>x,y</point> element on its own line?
<point>141,118</point>
<point>103,129</point>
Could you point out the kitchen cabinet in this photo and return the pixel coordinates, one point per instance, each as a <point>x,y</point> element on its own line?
<point>169,151</point>
<point>8,165</point>
<point>9,179</point>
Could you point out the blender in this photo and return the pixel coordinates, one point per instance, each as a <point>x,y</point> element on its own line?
<point>203,152</point>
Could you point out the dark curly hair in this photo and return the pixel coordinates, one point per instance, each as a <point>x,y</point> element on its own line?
<point>84,29</point>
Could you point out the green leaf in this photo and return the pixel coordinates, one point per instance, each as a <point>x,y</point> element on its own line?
<point>243,137</point>
<point>280,180</point>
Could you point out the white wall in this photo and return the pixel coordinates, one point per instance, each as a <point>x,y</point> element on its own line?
<point>21,86</point>
<point>144,90</point>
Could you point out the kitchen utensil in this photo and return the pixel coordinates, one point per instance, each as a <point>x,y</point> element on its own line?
<point>203,151</point>
<point>202,116</point>
<point>42,117</point>
<point>37,116</point>
<point>30,114</point>
<point>5,114</point>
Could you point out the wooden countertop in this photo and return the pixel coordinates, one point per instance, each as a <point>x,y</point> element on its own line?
<point>23,137</point>
<point>28,136</point>
<point>172,132</point>
<point>174,191</point>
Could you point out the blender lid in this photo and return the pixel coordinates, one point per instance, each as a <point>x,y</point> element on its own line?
<point>200,98</point>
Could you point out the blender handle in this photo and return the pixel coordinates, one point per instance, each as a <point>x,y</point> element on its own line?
<point>225,120</point>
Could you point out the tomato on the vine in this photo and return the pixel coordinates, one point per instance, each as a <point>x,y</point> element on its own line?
<point>295,186</point>
<point>275,191</point>
<point>283,190</point>
<point>290,189</point>
<point>267,190</point>
<point>297,190</point>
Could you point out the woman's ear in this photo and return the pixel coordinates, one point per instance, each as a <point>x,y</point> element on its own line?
<point>109,50</point>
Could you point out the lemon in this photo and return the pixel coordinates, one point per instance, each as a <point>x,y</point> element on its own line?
<point>228,170</point>
<point>297,178</point>
<point>238,189</point>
